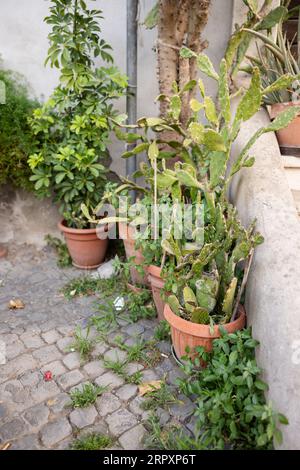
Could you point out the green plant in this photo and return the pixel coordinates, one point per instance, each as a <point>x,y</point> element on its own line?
<point>16,139</point>
<point>92,441</point>
<point>73,126</point>
<point>159,397</point>
<point>64,259</point>
<point>119,367</point>
<point>82,398</point>
<point>140,305</point>
<point>81,286</point>
<point>82,343</point>
<point>231,406</point>
<point>162,331</point>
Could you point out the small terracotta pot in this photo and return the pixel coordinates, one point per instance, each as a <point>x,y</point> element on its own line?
<point>86,249</point>
<point>187,334</point>
<point>290,136</point>
<point>157,284</point>
<point>126,234</point>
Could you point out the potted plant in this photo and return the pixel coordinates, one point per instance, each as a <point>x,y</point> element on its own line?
<point>73,127</point>
<point>280,72</point>
<point>208,280</point>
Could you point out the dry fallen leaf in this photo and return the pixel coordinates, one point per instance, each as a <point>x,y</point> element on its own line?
<point>16,304</point>
<point>6,446</point>
<point>147,387</point>
<point>52,401</point>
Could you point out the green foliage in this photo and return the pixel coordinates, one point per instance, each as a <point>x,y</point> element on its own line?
<point>231,406</point>
<point>140,305</point>
<point>86,285</point>
<point>73,126</point>
<point>16,138</point>
<point>160,397</point>
<point>64,259</point>
<point>119,367</point>
<point>162,331</point>
<point>92,441</point>
<point>82,343</point>
<point>82,398</point>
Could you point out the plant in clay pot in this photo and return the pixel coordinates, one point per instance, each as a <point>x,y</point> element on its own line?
<point>73,126</point>
<point>208,279</point>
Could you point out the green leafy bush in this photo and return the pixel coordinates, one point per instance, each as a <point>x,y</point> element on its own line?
<point>73,126</point>
<point>230,399</point>
<point>16,138</point>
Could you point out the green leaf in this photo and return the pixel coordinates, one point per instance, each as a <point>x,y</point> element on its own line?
<point>260,385</point>
<point>187,53</point>
<point>283,82</point>
<point>283,419</point>
<point>252,5</point>
<point>165,181</point>
<point>284,119</point>
<point>174,304</point>
<point>224,96</point>
<point>217,167</point>
<point>153,151</point>
<point>175,105</point>
<point>272,19</point>
<point>195,105</point>
<point>188,86</point>
<point>187,179</point>
<point>196,131</point>
<point>251,101</point>
<point>249,162</point>
<point>152,17</point>
<point>201,87</point>
<point>210,110</point>
<point>206,66</point>
<point>214,141</point>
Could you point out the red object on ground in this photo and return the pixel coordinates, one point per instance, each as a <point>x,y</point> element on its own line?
<point>48,376</point>
<point>3,251</point>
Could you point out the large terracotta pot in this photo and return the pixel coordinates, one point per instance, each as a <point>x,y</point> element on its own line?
<point>187,334</point>
<point>290,136</point>
<point>157,284</point>
<point>127,235</point>
<point>86,249</point>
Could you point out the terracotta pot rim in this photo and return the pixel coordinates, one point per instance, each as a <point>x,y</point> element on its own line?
<point>81,231</point>
<point>196,329</point>
<point>285,104</point>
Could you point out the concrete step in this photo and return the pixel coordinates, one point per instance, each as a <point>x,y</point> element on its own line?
<point>292,171</point>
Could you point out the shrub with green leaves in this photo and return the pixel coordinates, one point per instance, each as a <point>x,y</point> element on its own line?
<point>74,125</point>
<point>17,141</point>
<point>230,396</point>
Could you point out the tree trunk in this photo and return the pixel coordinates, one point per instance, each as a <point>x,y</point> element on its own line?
<point>180,24</point>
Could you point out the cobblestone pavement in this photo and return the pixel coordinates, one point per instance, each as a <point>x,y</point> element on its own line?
<point>34,413</point>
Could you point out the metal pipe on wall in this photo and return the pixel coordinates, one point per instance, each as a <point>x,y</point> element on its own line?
<point>131,60</point>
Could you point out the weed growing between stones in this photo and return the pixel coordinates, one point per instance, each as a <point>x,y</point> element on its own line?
<point>82,398</point>
<point>92,441</point>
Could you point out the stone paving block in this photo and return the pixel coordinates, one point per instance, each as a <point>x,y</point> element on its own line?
<point>82,417</point>
<point>64,344</point>
<point>107,403</point>
<point>94,368</point>
<point>46,354</point>
<point>109,379</point>
<point>44,391</point>
<point>51,336</point>
<point>133,367</point>
<point>17,366</point>
<point>133,439</point>
<point>30,442</point>
<point>127,391</point>
<point>15,428</point>
<point>115,354</point>
<point>136,405</point>
<point>183,409</point>
<point>55,432</point>
<point>37,416</point>
<point>134,330</point>
<point>69,379</point>
<point>9,338</point>
<point>59,403</point>
<point>72,360</point>
<point>149,375</point>
<point>164,347</point>
<point>120,421</point>
<point>66,330</point>
<point>14,350</point>
<point>32,340</point>
<point>56,367</point>
<point>99,349</point>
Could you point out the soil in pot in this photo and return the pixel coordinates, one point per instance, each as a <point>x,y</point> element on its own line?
<point>127,235</point>
<point>187,334</point>
<point>288,138</point>
<point>157,284</point>
<point>86,249</point>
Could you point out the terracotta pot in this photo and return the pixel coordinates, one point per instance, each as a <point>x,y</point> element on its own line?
<point>157,284</point>
<point>290,136</point>
<point>185,333</point>
<point>86,249</point>
<point>126,234</point>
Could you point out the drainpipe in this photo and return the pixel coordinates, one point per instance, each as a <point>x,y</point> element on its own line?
<point>132,13</point>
